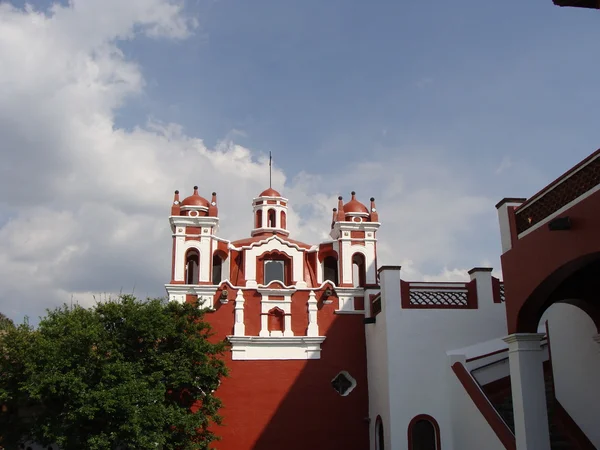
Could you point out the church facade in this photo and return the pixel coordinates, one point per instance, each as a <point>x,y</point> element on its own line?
<point>328,350</point>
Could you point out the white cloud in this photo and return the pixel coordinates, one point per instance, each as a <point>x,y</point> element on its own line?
<point>88,202</point>
<point>505,164</point>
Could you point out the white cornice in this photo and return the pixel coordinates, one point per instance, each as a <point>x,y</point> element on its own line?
<point>281,199</point>
<point>269,230</point>
<point>275,347</point>
<point>266,290</point>
<point>187,221</point>
<point>356,292</point>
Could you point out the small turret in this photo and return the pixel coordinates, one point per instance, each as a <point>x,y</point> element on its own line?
<point>176,207</point>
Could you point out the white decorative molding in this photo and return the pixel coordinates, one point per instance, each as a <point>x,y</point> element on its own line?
<point>239,328</point>
<point>202,245</point>
<point>206,294</point>
<point>524,342</point>
<point>280,245</point>
<point>270,238</point>
<point>346,300</point>
<point>338,227</point>
<point>275,348</point>
<point>277,229</point>
<point>348,377</point>
<point>267,304</point>
<point>313,326</point>
<point>198,221</point>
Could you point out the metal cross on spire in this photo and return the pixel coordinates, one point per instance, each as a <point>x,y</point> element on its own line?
<point>270,165</point>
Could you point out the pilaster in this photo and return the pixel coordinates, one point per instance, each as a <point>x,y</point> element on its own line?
<point>313,327</point>
<point>239,328</point>
<point>528,391</point>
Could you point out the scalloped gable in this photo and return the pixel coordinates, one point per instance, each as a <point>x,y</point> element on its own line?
<point>256,241</point>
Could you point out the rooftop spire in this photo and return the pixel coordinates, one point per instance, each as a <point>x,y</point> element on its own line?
<point>270,164</point>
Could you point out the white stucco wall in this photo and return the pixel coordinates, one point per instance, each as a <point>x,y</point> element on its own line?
<point>576,364</point>
<point>417,342</point>
<point>377,359</point>
<point>469,429</point>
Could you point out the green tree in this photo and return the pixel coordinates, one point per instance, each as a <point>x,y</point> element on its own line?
<point>5,322</point>
<point>124,374</point>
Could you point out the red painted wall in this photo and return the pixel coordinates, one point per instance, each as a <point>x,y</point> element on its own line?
<point>532,268</point>
<point>271,405</point>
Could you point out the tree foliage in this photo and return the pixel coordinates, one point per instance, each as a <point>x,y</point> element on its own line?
<point>5,322</point>
<point>124,374</point>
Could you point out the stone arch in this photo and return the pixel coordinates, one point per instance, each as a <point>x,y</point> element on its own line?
<point>423,433</point>
<point>359,269</point>
<point>283,220</point>
<point>577,279</point>
<point>379,434</point>
<point>271,218</point>
<point>192,266</point>
<point>276,321</point>
<point>258,219</point>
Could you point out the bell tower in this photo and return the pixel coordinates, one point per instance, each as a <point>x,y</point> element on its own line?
<point>354,227</point>
<point>194,224</point>
<point>270,213</point>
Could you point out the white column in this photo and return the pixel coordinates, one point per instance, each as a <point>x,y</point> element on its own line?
<point>287,325</point>
<point>528,391</point>
<point>313,327</point>
<point>239,329</point>
<point>264,325</point>
<point>179,256</point>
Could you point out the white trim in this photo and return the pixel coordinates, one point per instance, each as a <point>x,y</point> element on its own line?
<point>292,251</point>
<point>275,348</point>
<point>269,230</point>
<point>187,221</point>
<point>313,248</point>
<point>434,285</point>
<point>263,198</point>
<point>350,378</point>
<point>266,290</point>
<point>239,328</point>
<point>267,304</point>
<point>559,212</point>
<point>313,326</point>
<point>206,294</point>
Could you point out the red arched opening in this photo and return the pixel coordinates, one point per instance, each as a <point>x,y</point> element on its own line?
<point>359,270</point>
<point>423,433</point>
<point>274,266</point>
<point>578,279</point>
<point>276,321</point>
<point>283,220</point>
<point>271,219</point>
<point>330,269</point>
<point>258,220</point>
<point>217,266</point>
<point>192,266</point>
<point>379,434</point>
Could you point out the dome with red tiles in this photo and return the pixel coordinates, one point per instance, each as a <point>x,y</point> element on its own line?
<point>195,200</point>
<point>354,206</point>
<point>270,193</point>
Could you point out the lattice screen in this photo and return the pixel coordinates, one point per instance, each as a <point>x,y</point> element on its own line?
<point>456,298</point>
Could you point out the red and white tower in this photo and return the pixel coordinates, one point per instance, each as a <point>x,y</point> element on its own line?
<point>293,314</point>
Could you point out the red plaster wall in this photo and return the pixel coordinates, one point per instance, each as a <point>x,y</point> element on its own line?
<point>271,405</point>
<point>535,259</point>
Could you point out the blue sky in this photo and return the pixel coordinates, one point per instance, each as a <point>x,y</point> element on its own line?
<point>335,79</point>
<point>438,109</point>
